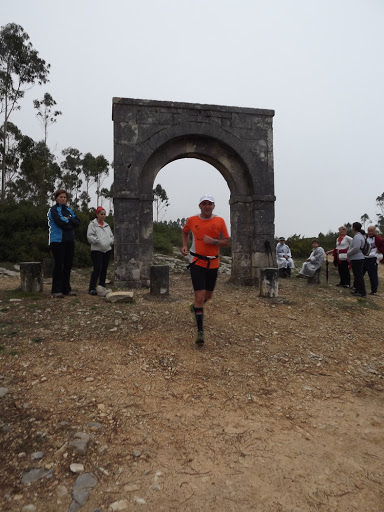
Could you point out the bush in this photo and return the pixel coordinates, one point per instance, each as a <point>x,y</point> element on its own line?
<point>25,229</point>
<point>162,244</point>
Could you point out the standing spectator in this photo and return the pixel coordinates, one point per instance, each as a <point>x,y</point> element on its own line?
<point>371,261</point>
<point>209,233</point>
<point>61,221</point>
<point>340,257</point>
<point>284,258</point>
<point>314,261</point>
<point>100,237</point>
<point>357,259</point>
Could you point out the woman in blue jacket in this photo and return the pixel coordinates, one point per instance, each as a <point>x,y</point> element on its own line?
<point>61,221</point>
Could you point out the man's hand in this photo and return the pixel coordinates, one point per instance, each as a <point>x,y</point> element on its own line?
<point>184,250</point>
<point>208,240</point>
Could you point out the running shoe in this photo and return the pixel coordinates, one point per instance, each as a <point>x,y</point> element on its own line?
<point>200,338</point>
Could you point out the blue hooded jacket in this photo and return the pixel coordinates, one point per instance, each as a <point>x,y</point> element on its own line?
<point>61,222</point>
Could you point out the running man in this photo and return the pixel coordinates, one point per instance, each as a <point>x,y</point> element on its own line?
<point>209,233</point>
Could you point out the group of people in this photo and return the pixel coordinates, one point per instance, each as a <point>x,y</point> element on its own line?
<point>209,233</point>
<point>348,254</point>
<point>62,222</point>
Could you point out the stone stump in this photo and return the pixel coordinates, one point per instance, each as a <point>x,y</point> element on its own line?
<point>269,282</point>
<point>31,278</point>
<point>315,279</point>
<point>159,280</point>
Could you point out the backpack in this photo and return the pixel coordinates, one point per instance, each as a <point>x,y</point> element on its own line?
<point>366,249</point>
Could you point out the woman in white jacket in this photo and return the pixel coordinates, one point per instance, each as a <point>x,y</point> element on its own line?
<point>100,237</point>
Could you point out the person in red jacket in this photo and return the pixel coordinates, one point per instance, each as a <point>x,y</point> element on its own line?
<point>372,259</point>
<point>209,233</point>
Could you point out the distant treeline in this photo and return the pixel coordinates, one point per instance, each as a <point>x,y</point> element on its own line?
<point>24,235</point>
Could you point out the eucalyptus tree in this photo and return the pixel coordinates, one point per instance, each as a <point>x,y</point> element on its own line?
<point>45,113</point>
<point>16,144</point>
<point>364,219</point>
<point>160,200</point>
<point>20,68</point>
<point>71,178</point>
<point>37,175</point>
<point>380,216</point>
<point>95,169</point>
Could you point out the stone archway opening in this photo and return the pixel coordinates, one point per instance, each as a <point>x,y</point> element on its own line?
<point>236,141</point>
<point>185,181</point>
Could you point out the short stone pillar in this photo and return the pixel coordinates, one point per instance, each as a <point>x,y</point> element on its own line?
<point>315,279</point>
<point>31,278</point>
<point>159,280</point>
<point>269,282</point>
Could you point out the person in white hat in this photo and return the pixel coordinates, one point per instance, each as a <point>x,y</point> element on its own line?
<point>209,233</point>
<point>284,258</point>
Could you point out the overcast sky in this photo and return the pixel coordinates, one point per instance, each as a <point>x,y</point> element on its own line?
<point>317,63</point>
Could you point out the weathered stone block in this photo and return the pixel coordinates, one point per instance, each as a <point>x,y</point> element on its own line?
<point>31,278</point>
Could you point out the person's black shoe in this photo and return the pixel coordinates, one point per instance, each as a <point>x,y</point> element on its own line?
<point>92,292</point>
<point>200,338</point>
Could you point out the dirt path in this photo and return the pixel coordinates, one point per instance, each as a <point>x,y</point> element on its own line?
<point>282,410</point>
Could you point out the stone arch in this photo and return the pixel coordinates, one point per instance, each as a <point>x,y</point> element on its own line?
<point>236,141</point>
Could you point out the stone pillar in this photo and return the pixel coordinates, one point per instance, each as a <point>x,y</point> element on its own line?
<point>31,279</point>
<point>159,280</point>
<point>269,282</point>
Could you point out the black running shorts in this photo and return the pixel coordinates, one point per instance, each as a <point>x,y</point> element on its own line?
<point>203,278</point>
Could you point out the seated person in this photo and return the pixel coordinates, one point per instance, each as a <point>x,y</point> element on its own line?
<point>284,257</point>
<point>314,261</point>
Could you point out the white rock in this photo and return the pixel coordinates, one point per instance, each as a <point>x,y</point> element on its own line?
<point>102,291</point>
<point>139,501</point>
<point>29,508</point>
<point>117,506</point>
<point>120,297</point>
<point>131,487</point>
<point>76,468</point>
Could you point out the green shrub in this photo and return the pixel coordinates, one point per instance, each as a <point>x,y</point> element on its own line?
<point>162,244</point>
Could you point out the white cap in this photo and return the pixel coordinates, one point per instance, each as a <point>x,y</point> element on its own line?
<point>207,197</point>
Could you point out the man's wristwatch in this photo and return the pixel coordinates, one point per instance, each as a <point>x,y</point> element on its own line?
<point>216,241</point>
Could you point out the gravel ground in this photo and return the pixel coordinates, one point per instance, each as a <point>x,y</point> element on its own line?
<point>281,410</point>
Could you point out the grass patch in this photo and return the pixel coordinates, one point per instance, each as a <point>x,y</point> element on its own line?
<point>19,294</point>
<point>358,303</point>
<point>34,307</point>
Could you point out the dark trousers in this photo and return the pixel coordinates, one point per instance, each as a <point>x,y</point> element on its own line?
<point>370,266</point>
<point>100,262</point>
<point>358,274</point>
<point>345,277</point>
<point>63,255</point>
